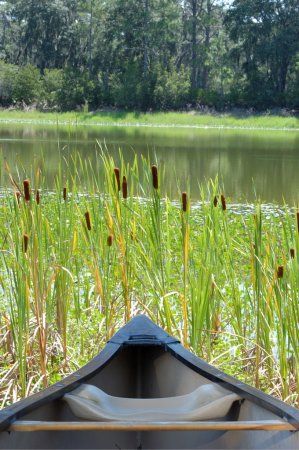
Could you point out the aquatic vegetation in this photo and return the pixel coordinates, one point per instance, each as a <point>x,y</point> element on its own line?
<point>153,119</point>
<point>76,264</point>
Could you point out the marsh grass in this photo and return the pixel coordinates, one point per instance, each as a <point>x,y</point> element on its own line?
<point>155,119</point>
<point>77,264</point>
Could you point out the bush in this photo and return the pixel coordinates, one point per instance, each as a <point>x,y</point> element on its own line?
<point>125,88</point>
<point>8,80</point>
<point>27,87</point>
<point>76,90</point>
<point>172,88</point>
<point>211,98</point>
<point>292,94</point>
<point>52,83</point>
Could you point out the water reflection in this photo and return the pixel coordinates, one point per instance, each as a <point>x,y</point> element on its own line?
<point>246,161</point>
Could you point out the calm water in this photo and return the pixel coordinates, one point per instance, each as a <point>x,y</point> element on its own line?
<point>248,162</point>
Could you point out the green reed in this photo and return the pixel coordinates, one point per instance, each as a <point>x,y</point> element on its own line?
<point>77,263</point>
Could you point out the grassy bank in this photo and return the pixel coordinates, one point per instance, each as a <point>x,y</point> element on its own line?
<point>74,266</point>
<point>157,119</point>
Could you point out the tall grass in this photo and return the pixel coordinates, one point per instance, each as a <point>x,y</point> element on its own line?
<point>76,264</point>
<point>156,119</point>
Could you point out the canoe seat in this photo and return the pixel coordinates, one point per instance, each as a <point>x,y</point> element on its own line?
<point>207,402</point>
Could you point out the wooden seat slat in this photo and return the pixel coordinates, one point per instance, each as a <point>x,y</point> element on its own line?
<point>26,426</point>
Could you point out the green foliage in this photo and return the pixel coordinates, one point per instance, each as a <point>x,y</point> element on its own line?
<point>145,54</point>
<point>76,89</point>
<point>27,85</point>
<point>208,274</point>
<point>21,85</point>
<point>210,98</point>
<point>126,88</point>
<point>265,34</point>
<point>52,84</point>
<point>172,88</point>
<point>8,76</point>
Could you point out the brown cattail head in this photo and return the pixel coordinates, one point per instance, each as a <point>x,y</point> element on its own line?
<point>215,202</point>
<point>280,272</point>
<point>292,253</point>
<point>125,187</point>
<point>64,194</point>
<point>25,242</point>
<point>26,185</point>
<point>155,177</point>
<point>223,202</point>
<point>110,240</point>
<point>298,221</point>
<point>37,197</point>
<point>117,177</point>
<point>184,201</point>
<point>87,219</point>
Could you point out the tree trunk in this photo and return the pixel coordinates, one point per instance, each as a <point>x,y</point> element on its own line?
<point>145,39</point>
<point>205,72</point>
<point>194,45</point>
<point>90,42</point>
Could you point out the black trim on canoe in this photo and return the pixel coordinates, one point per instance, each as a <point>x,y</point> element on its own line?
<point>141,331</point>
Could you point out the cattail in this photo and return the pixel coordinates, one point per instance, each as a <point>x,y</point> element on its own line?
<point>125,187</point>
<point>280,272</point>
<point>117,176</point>
<point>215,202</point>
<point>155,177</point>
<point>292,253</point>
<point>18,195</point>
<point>25,242</point>
<point>298,221</point>
<point>26,185</point>
<point>223,202</point>
<point>184,201</point>
<point>37,197</point>
<point>64,194</point>
<point>87,218</point>
<point>109,240</point>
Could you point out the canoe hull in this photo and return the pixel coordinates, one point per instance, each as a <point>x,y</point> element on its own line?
<point>142,361</point>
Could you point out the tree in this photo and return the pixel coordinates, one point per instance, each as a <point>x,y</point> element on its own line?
<point>266,36</point>
<point>48,32</point>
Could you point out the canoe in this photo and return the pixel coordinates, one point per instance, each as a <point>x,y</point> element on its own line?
<point>144,390</point>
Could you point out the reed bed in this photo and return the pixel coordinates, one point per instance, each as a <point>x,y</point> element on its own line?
<point>76,264</point>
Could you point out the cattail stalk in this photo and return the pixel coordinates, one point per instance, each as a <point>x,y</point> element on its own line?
<point>26,185</point>
<point>155,177</point>
<point>292,253</point>
<point>117,177</point>
<point>87,219</point>
<point>110,240</point>
<point>298,221</point>
<point>223,202</point>
<point>215,202</point>
<point>37,197</point>
<point>64,194</point>
<point>125,187</point>
<point>18,195</point>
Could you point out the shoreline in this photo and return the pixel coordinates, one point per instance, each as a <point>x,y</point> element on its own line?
<point>143,125</point>
<point>152,120</point>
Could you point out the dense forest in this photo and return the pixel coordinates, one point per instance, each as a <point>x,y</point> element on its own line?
<point>149,54</point>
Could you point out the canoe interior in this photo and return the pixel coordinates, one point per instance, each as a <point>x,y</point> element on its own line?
<point>147,372</point>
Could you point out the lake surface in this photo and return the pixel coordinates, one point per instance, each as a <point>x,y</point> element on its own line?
<point>250,163</point>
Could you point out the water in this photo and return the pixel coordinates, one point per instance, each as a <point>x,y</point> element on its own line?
<point>263,164</point>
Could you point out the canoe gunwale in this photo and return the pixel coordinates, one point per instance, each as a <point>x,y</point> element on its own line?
<point>141,331</point>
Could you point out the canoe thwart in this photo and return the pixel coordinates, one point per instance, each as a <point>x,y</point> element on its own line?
<point>25,425</point>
